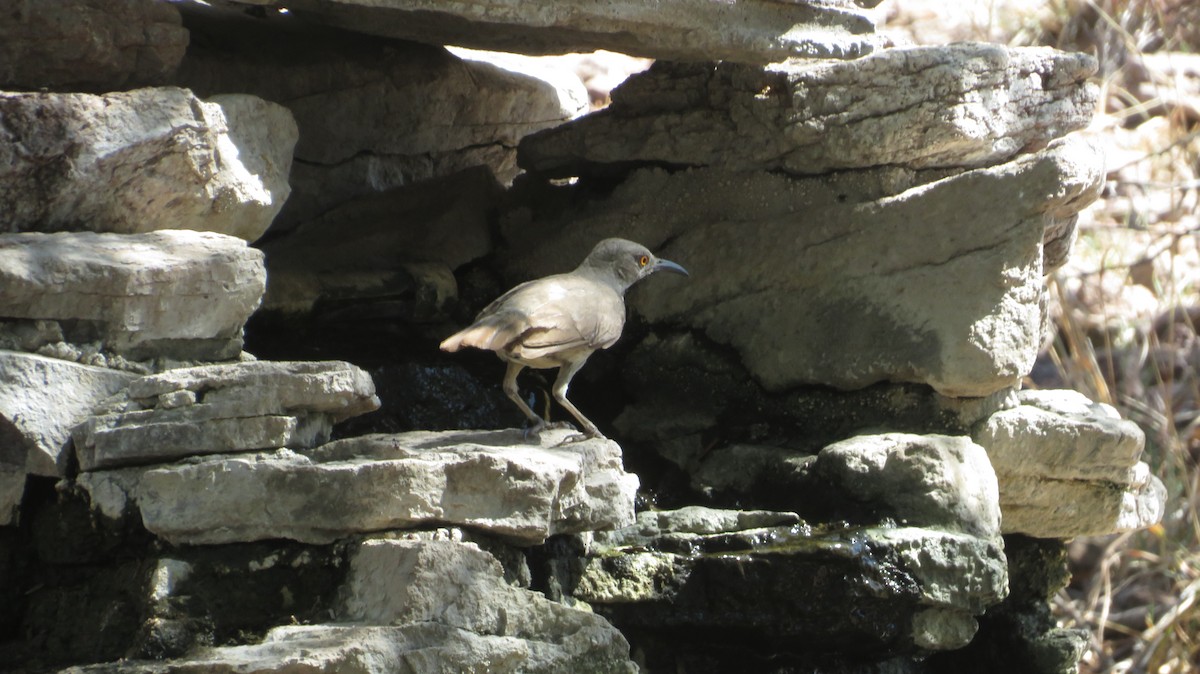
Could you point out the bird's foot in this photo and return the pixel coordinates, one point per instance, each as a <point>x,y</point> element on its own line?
<point>587,434</point>
<point>533,432</point>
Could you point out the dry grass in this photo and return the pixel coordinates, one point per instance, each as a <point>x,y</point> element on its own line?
<point>1127,306</point>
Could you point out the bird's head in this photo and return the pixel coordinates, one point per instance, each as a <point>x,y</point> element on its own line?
<point>627,262</point>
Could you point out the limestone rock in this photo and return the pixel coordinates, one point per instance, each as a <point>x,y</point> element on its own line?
<point>399,244</point>
<point>89,45</point>
<point>373,113</point>
<point>416,648</point>
<point>961,105</point>
<point>926,480</point>
<point>874,250</point>
<point>143,160</point>
<point>225,408</point>
<point>176,293</point>
<point>486,480</point>
<point>759,31</point>
<point>732,585</point>
<point>40,400</point>
<point>457,585</point>
<point>1069,467</point>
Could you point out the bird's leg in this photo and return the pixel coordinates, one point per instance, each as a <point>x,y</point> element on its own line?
<point>565,373</point>
<point>510,390</point>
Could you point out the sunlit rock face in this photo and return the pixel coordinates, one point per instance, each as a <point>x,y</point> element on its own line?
<point>225,425</point>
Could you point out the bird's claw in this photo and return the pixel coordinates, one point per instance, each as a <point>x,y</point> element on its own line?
<point>533,432</point>
<point>575,438</point>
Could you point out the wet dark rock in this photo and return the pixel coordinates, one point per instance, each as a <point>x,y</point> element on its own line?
<point>88,589</point>
<point>698,585</point>
<point>1020,634</point>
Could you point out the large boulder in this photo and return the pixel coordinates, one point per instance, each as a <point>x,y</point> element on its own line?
<point>962,105</point>
<point>1070,467</point>
<point>841,280</point>
<point>485,480</point>
<point>89,45</point>
<point>40,400</point>
<point>182,294</point>
<point>754,31</point>
<point>141,161</point>
<point>932,480</point>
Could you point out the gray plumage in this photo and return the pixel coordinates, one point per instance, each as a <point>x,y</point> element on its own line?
<point>559,321</point>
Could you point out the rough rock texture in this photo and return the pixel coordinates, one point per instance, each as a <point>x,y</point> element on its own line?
<point>413,649</point>
<point>486,480</point>
<point>12,489</point>
<point>929,480</point>
<point>962,105</point>
<point>758,31</point>
<point>1069,467</point>
<point>176,293</point>
<point>40,400</point>
<point>418,606</point>
<point>399,245</point>
<point>89,45</point>
<point>141,161</point>
<point>776,585</point>
<point>372,113</point>
<point>768,577</point>
<point>458,585</point>
<point>876,253</point>
<point>224,408</point>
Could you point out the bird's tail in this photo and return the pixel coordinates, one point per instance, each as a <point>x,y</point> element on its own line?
<point>485,334</point>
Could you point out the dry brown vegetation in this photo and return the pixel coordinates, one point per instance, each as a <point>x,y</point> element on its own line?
<point>1127,306</point>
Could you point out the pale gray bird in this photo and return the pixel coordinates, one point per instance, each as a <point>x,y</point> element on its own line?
<point>558,321</point>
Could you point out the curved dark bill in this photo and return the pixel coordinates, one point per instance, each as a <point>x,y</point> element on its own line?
<point>667,265</point>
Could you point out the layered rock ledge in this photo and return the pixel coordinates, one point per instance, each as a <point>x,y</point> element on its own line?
<point>173,293</point>
<point>962,105</point>
<point>488,480</point>
<point>758,31</point>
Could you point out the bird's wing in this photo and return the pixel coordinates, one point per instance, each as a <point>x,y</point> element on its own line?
<point>575,313</point>
<point>547,316</point>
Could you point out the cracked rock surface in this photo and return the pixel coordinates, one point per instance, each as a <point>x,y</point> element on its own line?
<point>178,293</point>
<point>753,31</point>
<point>961,105</point>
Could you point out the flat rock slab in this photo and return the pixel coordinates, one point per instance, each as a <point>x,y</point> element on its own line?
<point>754,31</point>
<point>40,400</point>
<point>961,105</point>
<point>215,409</point>
<point>89,45</point>
<point>842,280</point>
<point>143,160</point>
<point>1069,467</point>
<point>487,480</point>
<point>176,293</point>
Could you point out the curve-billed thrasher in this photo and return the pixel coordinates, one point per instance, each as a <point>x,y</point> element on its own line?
<point>560,320</point>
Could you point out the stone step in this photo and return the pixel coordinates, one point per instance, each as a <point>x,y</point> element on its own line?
<point>492,481</point>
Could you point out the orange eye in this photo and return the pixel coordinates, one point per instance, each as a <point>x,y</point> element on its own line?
<point>644,260</point>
